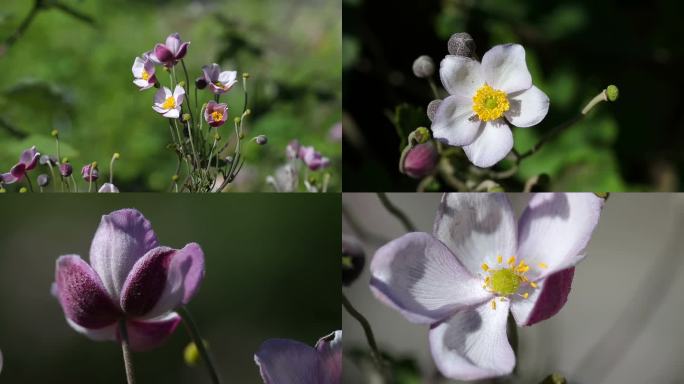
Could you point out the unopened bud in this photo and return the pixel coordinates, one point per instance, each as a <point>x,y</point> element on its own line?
<point>612,92</point>
<point>423,67</point>
<point>23,190</point>
<point>43,180</point>
<point>432,108</point>
<point>54,133</point>
<point>421,160</point>
<point>116,156</point>
<point>181,83</point>
<point>247,112</point>
<point>65,169</point>
<point>174,178</point>
<point>353,259</point>
<point>245,75</point>
<point>3,190</point>
<point>186,117</point>
<point>462,44</point>
<point>421,135</point>
<point>200,82</point>
<point>261,139</point>
<point>236,120</point>
<point>217,137</point>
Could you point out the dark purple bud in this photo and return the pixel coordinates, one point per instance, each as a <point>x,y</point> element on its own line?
<point>421,160</point>
<point>353,259</point>
<point>261,139</point>
<point>89,172</point>
<point>200,82</point>
<point>65,169</point>
<point>43,180</point>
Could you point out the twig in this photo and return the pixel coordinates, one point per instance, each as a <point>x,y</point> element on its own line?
<point>375,352</point>
<point>401,216</point>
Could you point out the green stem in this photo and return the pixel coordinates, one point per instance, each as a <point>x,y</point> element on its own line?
<point>11,39</point>
<point>187,92</point>
<point>375,351</point>
<point>125,348</point>
<point>401,216</point>
<point>28,180</point>
<point>199,342</point>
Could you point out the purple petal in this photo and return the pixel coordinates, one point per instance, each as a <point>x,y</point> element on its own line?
<point>330,350</point>
<point>163,280</point>
<point>82,295</point>
<point>173,42</point>
<point>107,332</point>
<point>150,334</point>
<point>283,361</point>
<point>8,178</point>
<point>121,239</point>
<point>216,89</point>
<point>108,188</point>
<point>211,73</point>
<point>545,301</point>
<point>161,95</point>
<point>418,276</point>
<point>472,345</point>
<point>477,227</point>
<point>18,171</point>
<point>29,158</point>
<point>163,54</point>
<point>182,51</point>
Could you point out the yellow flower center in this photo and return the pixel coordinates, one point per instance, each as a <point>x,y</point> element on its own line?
<point>145,75</point>
<point>489,103</point>
<point>217,116</point>
<point>169,103</point>
<point>508,279</point>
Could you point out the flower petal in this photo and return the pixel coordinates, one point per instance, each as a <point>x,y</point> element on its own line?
<point>162,53</point>
<point>173,43</point>
<point>492,146</point>
<point>455,122</point>
<point>472,345</point>
<point>146,335</point>
<point>178,94</point>
<point>163,280</point>
<point>418,275</point>
<point>283,361</point>
<point>477,227</point>
<point>29,158</point>
<point>161,95</point>
<point>330,350</point>
<point>172,113</point>
<point>528,107</point>
<point>107,332</point>
<point>18,171</point>
<point>504,68</point>
<point>82,295</point>
<point>8,178</point>
<point>121,239</point>
<point>182,50</point>
<point>461,75</point>
<point>545,301</point>
<point>211,72</point>
<point>555,228</point>
<point>138,66</point>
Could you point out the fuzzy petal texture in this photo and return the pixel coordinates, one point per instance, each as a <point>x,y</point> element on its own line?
<point>528,107</point>
<point>476,227</point>
<point>82,295</point>
<point>455,122</point>
<point>330,350</point>
<point>555,228</point>
<point>504,68</point>
<point>163,54</point>
<point>150,334</point>
<point>473,345</point>
<point>461,76</point>
<point>283,361</point>
<point>418,276</point>
<point>493,144</point>
<point>545,301</point>
<point>162,280</point>
<point>121,239</point>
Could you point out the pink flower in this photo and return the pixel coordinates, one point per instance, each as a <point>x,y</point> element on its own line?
<point>312,158</point>
<point>27,161</point>
<point>144,72</point>
<point>421,160</point>
<point>170,53</point>
<point>477,265</point>
<point>215,114</point>
<point>90,172</point>
<point>219,82</point>
<point>130,278</point>
<point>169,104</point>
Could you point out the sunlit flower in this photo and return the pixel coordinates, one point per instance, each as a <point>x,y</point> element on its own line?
<point>130,278</point>
<point>219,82</point>
<point>284,361</point>
<point>312,158</point>
<point>89,172</point>
<point>477,265</point>
<point>216,114</point>
<point>170,53</point>
<point>144,72</point>
<point>484,99</point>
<point>169,104</point>
<point>27,161</point>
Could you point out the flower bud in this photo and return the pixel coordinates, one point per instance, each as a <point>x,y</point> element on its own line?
<point>353,259</point>
<point>3,190</point>
<point>116,156</point>
<point>237,120</point>
<point>90,172</point>
<point>54,133</point>
<point>174,178</point>
<point>461,44</point>
<point>612,92</point>
<point>421,160</point>
<point>108,188</point>
<point>421,135</point>
<point>432,108</point>
<point>245,75</point>
<point>186,117</point>
<point>65,169</point>
<point>261,140</point>
<point>181,83</point>
<point>23,190</point>
<point>43,180</point>
<point>200,82</point>
<point>423,67</point>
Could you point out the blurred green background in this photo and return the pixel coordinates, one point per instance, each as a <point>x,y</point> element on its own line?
<point>75,76</point>
<point>271,271</point>
<point>574,49</point>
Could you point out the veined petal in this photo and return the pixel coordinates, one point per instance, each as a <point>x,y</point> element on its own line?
<point>492,145</point>
<point>554,230</point>
<point>121,239</point>
<point>528,107</point>
<point>283,361</point>
<point>455,122</point>
<point>330,350</point>
<point>149,334</point>
<point>504,68</point>
<point>545,301</point>
<point>472,345</point>
<point>476,227</point>
<point>178,93</point>
<point>461,75</point>
<point>138,66</point>
<point>418,275</point>
<point>161,95</point>
<point>228,77</point>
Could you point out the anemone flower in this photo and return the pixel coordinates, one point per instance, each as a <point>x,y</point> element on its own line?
<point>219,82</point>
<point>171,52</point>
<point>169,104</point>
<point>27,161</point>
<point>144,72</point>
<point>216,114</point>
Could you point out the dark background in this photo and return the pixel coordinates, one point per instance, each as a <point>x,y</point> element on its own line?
<point>574,49</point>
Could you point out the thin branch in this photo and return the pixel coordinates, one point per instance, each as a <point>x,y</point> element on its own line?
<point>401,216</point>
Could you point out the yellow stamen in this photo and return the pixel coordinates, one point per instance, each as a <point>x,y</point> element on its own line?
<point>489,103</point>
<point>485,267</point>
<point>499,259</point>
<point>525,295</point>
<point>511,261</point>
<point>543,265</point>
<point>169,103</point>
<point>145,75</point>
<point>533,284</point>
<point>494,304</point>
<point>217,116</point>
<point>523,269</point>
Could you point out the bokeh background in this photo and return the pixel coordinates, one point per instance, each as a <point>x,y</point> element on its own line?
<point>621,323</point>
<point>74,74</point>
<point>270,272</point>
<point>574,48</point>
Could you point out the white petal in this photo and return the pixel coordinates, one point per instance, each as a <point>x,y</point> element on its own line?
<point>161,95</point>
<point>528,107</point>
<point>473,344</point>
<point>493,144</point>
<point>477,227</point>
<point>504,68</point>
<point>455,122</point>
<point>159,109</point>
<point>461,75</point>
<point>138,66</point>
<point>178,91</point>
<point>172,113</point>
<point>100,334</point>
<point>227,77</point>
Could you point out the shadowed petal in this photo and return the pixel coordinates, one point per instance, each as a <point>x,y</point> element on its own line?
<point>149,334</point>
<point>283,361</point>
<point>544,302</point>
<point>173,42</point>
<point>18,171</point>
<point>528,108</point>
<point>29,158</point>
<point>211,72</point>
<point>330,350</point>
<point>162,54</point>
<point>8,178</point>
<point>504,68</point>
<point>493,144</point>
<point>182,50</point>
<point>461,75</point>
<point>106,333</point>
<point>454,121</point>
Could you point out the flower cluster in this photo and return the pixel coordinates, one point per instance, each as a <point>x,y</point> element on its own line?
<point>286,178</point>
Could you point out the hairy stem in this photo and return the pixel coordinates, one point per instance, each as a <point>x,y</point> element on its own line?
<point>125,348</point>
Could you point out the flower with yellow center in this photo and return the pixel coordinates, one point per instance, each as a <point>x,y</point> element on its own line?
<point>490,104</point>
<point>215,114</point>
<point>169,104</point>
<point>143,72</point>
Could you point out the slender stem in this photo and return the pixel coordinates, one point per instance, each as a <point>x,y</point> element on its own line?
<point>375,352</point>
<point>199,342</point>
<point>73,180</point>
<point>28,180</point>
<point>11,39</point>
<point>401,216</point>
<point>187,87</point>
<point>54,181</point>
<point>433,86</point>
<point>125,348</point>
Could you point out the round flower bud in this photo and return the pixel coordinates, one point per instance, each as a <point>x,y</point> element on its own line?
<point>612,92</point>
<point>186,117</point>
<point>421,160</point>
<point>432,108</point>
<point>353,259</point>
<point>90,172</point>
<point>174,178</point>
<point>200,82</point>
<point>261,139</point>
<point>3,190</point>
<point>461,44</point>
<point>23,190</point>
<point>229,159</point>
<point>65,169</point>
<point>54,133</point>
<point>43,180</point>
<point>421,135</point>
<point>423,67</point>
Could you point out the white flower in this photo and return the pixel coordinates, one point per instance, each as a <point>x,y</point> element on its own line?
<point>144,72</point>
<point>484,98</point>
<point>168,104</point>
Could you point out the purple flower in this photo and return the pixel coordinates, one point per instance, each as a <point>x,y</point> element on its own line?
<point>169,53</point>
<point>108,188</point>
<point>27,161</point>
<point>89,172</point>
<point>144,72</point>
<point>335,133</point>
<point>215,114</point>
<point>65,169</point>
<point>421,160</point>
<point>292,150</point>
<point>169,104</point>
<point>131,278</point>
<point>219,82</point>
<point>284,361</point>
<point>477,265</point>
<point>312,158</point>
